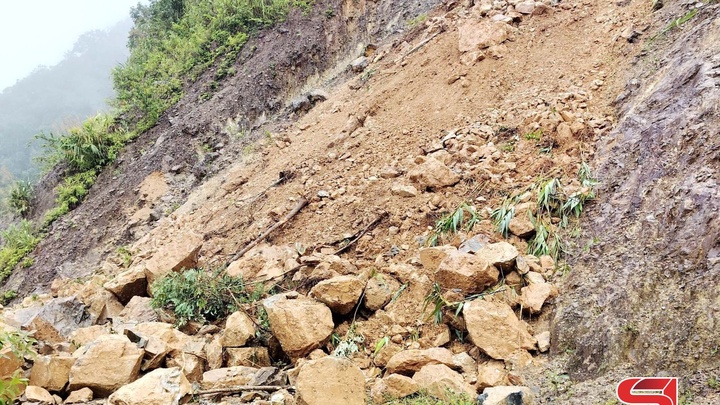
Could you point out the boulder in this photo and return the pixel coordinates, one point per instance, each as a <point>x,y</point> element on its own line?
<point>229,377</point>
<point>106,365</point>
<point>501,255</point>
<point>330,380</point>
<point>83,336</point>
<point>172,337</point>
<point>504,395</point>
<point>521,227</point>
<point>130,283</point>
<point>51,372</point>
<point>491,374</point>
<point>138,310</point>
<point>466,272</point>
<point>533,296</point>
<point>214,353</point>
<point>301,325</point>
<point>525,7</point>
<point>38,394</point>
<point>432,173</point>
<point>411,361</point>
<point>80,396</point>
<point>191,365</point>
<point>340,294</point>
<point>543,341</point>
<point>359,64</point>
<point>158,387</point>
<point>393,386</point>
<point>379,291</point>
<point>476,36</point>
<point>9,362</point>
<point>494,328</point>
<point>180,253</point>
<point>439,380</point>
<point>431,257</point>
<point>239,328</point>
<point>248,357</point>
<point>54,321</point>
<point>264,262</point>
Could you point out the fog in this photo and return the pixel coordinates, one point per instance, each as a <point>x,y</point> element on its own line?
<point>40,32</point>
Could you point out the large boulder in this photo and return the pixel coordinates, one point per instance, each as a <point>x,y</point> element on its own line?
<point>467,272</point>
<point>180,253</point>
<point>432,173</point>
<point>239,328</point>
<point>300,324</point>
<point>494,328</point>
<point>106,365</point>
<point>501,255</point>
<point>439,380</point>
<point>411,361</point>
<point>51,372</point>
<point>158,387</point>
<point>54,321</point>
<point>340,294</point>
<point>507,395</point>
<point>138,310</point>
<point>130,283</point>
<point>330,380</point>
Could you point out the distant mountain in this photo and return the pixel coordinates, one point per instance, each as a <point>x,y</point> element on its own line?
<point>50,98</point>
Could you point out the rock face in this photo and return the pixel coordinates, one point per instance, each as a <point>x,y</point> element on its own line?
<point>106,365</point>
<point>301,325</point>
<point>467,272</point>
<point>239,328</point>
<point>411,361</point>
<point>494,328</point>
<point>507,395</point>
<point>158,387</point>
<point>340,294</point>
<point>432,173</point>
<point>51,372</point>
<point>438,380</point>
<point>330,380</point>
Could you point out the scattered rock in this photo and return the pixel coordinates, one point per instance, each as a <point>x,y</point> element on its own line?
<point>239,328</point>
<point>526,7</point>
<point>439,380</point>
<point>128,284</point>
<point>379,291</point>
<point>475,36</point>
<point>179,253</point>
<point>330,380</point>
<point>490,374</point>
<point>404,190</point>
<point>106,365</point>
<point>534,296</point>
<point>431,257</point>
<point>340,294</point>
<point>138,310</point>
<point>228,377</point>
<point>38,394</point>
<point>158,387</point>
<point>393,386</point>
<point>301,325</point>
<point>51,372</point>
<point>411,361</point>
<point>359,64</point>
<point>507,395</point>
<point>507,334</point>
<point>501,255</point>
<point>390,173</point>
<point>80,396</point>
<point>248,357</point>
<point>432,173</point>
<point>543,341</point>
<point>466,272</point>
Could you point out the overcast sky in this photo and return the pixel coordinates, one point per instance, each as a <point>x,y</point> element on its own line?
<point>39,32</point>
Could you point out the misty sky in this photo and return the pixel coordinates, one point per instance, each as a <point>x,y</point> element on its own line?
<point>39,32</point>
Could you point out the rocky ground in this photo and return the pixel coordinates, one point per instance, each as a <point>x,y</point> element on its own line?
<point>475,103</point>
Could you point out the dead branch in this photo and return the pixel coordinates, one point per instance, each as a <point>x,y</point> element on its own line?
<point>242,388</point>
<point>362,232</point>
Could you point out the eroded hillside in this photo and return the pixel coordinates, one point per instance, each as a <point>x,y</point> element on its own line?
<point>344,148</point>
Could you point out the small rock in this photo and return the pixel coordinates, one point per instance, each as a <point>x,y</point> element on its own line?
<point>248,357</point>
<point>38,394</point>
<point>534,296</point>
<point>507,335</point>
<point>526,7</point>
<point>410,361</point>
<point>476,36</point>
<point>359,64</point>
<point>491,374</point>
<point>330,380</point>
<point>379,291</point>
<point>522,227</point>
<point>432,173</point>
<point>501,255</point>
<point>228,377</point>
<point>404,190</point>
<point>534,278</point>
<point>138,310</point>
<point>390,173</point>
<point>393,386</point>
<point>543,341</point>
<point>439,380</point>
<point>239,328</point>
<point>323,194</point>
<point>340,294</point>
<point>432,257</point>
<point>9,362</point>
<point>158,387</point>
<point>466,272</point>
<point>507,395</point>
<point>192,366</point>
<point>80,396</point>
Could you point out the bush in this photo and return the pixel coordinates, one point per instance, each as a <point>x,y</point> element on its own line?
<point>20,345</point>
<point>70,194</point>
<point>197,295</point>
<point>19,241</point>
<point>20,197</point>
<point>423,398</point>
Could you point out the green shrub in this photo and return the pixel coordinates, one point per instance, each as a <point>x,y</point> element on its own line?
<point>19,240</point>
<point>197,295</point>
<point>70,194</point>
<point>8,296</point>
<point>20,345</point>
<point>20,197</point>
<point>423,398</point>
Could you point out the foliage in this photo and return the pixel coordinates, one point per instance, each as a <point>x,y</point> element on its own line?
<point>20,197</point>
<point>19,240</point>
<point>175,41</point>
<point>20,344</point>
<point>464,217</point>
<point>423,398</point>
<point>70,194</point>
<point>439,303</point>
<point>502,216</point>
<point>197,295</point>
<point>348,345</point>
<point>8,296</point>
